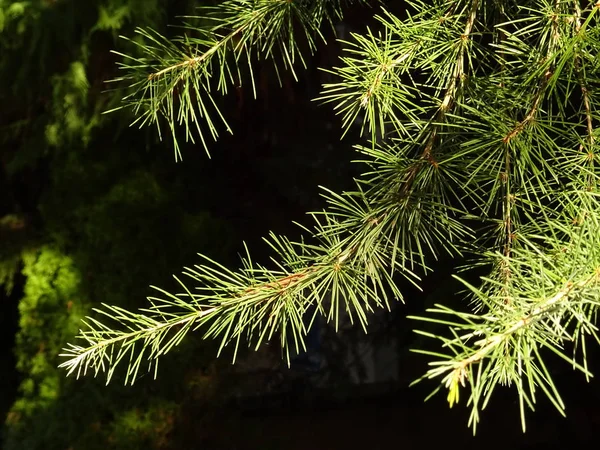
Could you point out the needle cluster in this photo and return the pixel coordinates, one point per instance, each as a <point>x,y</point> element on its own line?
<point>483,119</point>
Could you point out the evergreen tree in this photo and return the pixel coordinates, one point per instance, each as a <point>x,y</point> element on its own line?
<point>82,198</point>
<point>481,120</point>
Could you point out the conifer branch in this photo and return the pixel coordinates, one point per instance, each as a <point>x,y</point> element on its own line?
<point>580,77</point>
<point>464,129</point>
<point>537,313</point>
<point>510,349</point>
<point>173,82</point>
<point>590,138</point>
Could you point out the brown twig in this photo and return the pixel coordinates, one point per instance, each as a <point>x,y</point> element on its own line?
<point>585,96</point>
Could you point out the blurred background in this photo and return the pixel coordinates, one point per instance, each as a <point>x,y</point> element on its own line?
<point>93,210</point>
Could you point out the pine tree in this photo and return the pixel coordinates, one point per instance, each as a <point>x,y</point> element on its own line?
<point>481,120</point>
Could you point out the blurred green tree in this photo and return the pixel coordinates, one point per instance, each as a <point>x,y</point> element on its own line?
<point>88,213</point>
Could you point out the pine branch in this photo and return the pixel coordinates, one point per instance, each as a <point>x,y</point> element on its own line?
<point>351,267</point>
<point>509,351</point>
<point>471,121</point>
<point>580,70</point>
<point>105,347</point>
<point>176,82</point>
<point>254,304</point>
<point>490,343</point>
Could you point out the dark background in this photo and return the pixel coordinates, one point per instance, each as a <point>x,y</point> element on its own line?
<point>93,211</point>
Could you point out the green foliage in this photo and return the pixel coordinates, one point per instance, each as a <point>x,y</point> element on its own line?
<point>483,120</point>
<point>16,235</point>
<point>103,230</point>
<point>9,262</point>
<point>53,412</point>
<point>115,15</point>
<point>8,269</point>
<point>102,217</point>
<point>49,102</point>
<point>174,79</point>
<point>153,423</point>
<point>70,95</point>
<point>49,311</point>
